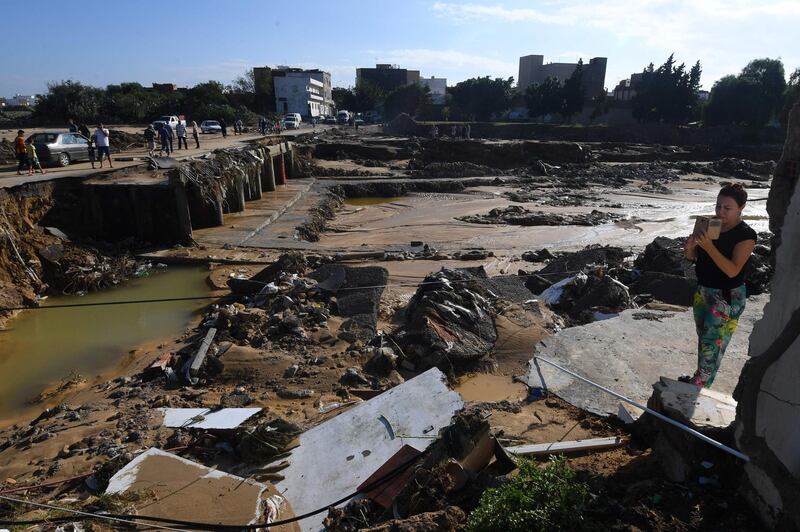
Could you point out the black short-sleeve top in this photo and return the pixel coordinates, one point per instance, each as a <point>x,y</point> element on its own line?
<point>708,274</point>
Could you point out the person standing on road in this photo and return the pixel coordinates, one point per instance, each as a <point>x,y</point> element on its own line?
<point>165,136</point>
<point>195,134</point>
<point>171,137</point>
<point>224,126</point>
<point>467,131</point>
<point>73,127</point>
<point>721,294</point>
<point>90,147</point>
<point>21,151</point>
<point>103,144</point>
<point>180,130</point>
<point>150,138</point>
<point>239,126</point>
<point>33,160</point>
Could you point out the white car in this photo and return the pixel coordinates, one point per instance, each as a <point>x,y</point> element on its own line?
<point>210,126</point>
<point>291,122</point>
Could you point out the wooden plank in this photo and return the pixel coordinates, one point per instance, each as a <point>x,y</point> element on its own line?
<point>200,356</point>
<point>576,446</point>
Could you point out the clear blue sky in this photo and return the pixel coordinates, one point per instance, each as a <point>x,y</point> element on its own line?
<point>187,42</point>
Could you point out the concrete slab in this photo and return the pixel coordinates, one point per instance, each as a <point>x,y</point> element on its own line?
<point>205,418</point>
<point>245,228</point>
<point>186,490</point>
<point>699,407</point>
<point>334,458</point>
<point>631,352</point>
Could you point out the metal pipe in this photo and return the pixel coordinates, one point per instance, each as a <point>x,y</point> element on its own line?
<point>659,415</point>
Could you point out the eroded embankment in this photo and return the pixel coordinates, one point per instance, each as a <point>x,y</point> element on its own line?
<point>36,258</point>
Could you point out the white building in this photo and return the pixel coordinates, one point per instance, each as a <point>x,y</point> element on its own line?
<point>302,92</point>
<point>438,88</point>
<point>22,100</point>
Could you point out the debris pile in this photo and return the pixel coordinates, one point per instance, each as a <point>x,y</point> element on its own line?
<point>517,215</point>
<point>449,320</point>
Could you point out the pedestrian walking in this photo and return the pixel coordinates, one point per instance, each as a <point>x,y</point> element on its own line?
<point>150,139</point>
<point>73,127</point>
<point>195,134</point>
<point>239,126</point>
<point>467,131</point>
<point>91,149</point>
<point>262,125</point>
<point>165,135</point>
<point>21,152</point>
<point>180,130</point>
<point>103,144</point>
<point>721,295</point>
<point>224,126</point>
<point>33,160</point>
<point>171,137</point>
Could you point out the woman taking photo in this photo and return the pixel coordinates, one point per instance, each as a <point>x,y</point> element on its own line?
<point>721,294</point>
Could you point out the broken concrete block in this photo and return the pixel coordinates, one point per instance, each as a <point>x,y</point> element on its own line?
<point>206,495</point>
<point>334,458</point>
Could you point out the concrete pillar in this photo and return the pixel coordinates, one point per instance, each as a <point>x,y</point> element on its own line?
<point>254,184</point>
<point>289,161</point>
<point>280,175</point>
<point>182,215</point>
<point>268,173</point>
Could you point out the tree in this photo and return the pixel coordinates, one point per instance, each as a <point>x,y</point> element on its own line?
<point>244,84</point>
<point>367,97</point>
<point>601,106</point>
<point>791,97</point>
<point>573,93</point>
<point>770,78</point>
<point>667,93</point>
<point>754,97</point>
<point>343,99</point>
<point>406,99</point>
<point>544,98</point>
<point>480,98</point>
<point>70,99</point>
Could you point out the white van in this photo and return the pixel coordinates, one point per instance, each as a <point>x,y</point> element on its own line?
<point>296,116</point>
<point>342,117</point>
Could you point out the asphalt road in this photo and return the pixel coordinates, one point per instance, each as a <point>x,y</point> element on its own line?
<point>208,142</point>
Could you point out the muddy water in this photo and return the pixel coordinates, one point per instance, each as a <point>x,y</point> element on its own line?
<point>45,345</point>
<point>431,217</point>
<point>375,200</point>
<point>487,387</point>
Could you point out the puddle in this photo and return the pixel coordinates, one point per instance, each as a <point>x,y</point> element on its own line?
<point>43,346</point>
<point>487,387</point>
<point>372,200</point>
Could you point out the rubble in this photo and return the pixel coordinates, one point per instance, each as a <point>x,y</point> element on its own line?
<point>516,215</point>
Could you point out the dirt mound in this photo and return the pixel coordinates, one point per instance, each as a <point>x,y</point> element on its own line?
<point>744,169</point>
<point>402,124</point>
<point>123,141</point>
<point>450,169</point>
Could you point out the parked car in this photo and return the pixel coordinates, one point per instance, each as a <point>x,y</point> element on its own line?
<point>210,126</point>
<point>60,148</point>
<point>342,117</point>
<point>330,120</point>
<point>171,120</point>
<point>291,122</point>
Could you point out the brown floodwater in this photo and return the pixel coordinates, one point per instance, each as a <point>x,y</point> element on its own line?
<point>488,387</point>
<point>371,200</point>
<point>42,346</point>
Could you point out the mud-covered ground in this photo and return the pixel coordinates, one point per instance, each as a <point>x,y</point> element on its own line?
<point>455,287</point>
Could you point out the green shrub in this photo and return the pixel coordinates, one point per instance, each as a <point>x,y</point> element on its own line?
<point>537,499</point>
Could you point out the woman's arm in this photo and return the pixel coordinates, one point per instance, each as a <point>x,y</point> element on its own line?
<point>690,248</point>
<point>730,267</point>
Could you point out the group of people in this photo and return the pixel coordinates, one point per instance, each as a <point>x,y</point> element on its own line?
<point>99,143</point>
<point>166,135</point>
<point>456,131</point>
<point>26,155</point>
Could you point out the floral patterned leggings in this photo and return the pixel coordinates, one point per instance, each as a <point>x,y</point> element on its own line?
<point>716,320</point>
